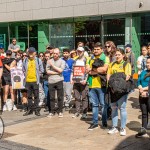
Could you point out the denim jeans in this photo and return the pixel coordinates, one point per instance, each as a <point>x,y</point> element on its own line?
<point>68,87</point>
<point>96,97</point>
<point>46,91</point>
<point>120,104</point>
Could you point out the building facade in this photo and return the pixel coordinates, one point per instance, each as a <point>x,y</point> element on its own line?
<point>63,23</point>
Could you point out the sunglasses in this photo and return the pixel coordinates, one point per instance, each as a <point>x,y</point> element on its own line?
<point>107,46</point>
<point>41,56</point>
<point>13,41</point>
<point>24,55</point>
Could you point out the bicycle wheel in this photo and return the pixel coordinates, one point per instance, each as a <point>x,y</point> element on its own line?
<point>1,127</point>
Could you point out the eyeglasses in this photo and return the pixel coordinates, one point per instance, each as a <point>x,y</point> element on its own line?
<point>96,49</point>
<point>107,46</point>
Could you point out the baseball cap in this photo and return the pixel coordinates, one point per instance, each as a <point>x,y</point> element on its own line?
<point>49,47</point>
<point>1,46</point>
<point>31,50</point>
<point>128,45</point>
<point>80,49</point>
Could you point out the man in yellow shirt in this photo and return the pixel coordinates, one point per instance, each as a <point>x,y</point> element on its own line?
<point>33,68</point>
<point>96,91</point>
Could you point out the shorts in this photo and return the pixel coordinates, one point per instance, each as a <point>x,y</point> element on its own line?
<point>6,81</point>
<point>23,90</point>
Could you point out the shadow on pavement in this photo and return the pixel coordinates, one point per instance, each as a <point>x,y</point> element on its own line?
<point>132,143</point>
<point>134,125</point>
<point>9,145</point>
<point>135,102</point>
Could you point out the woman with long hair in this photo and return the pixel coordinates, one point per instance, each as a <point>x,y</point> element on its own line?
<point>110,50</point>
<point>119,104</point>
<point>143,82</point>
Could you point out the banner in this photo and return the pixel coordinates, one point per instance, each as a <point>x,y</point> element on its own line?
<point>17,78</point>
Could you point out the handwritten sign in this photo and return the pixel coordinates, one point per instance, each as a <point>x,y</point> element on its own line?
<point>78,70</point>
<point>17,78</point>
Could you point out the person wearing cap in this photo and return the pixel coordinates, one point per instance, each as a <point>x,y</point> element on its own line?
<point>81,44</point>
<point>54,68</point>
<point>6,81</point>
<point>79,81</point>
<point>96,90</point>
<point>50,49</point>
<point>14,47</point>
<point>32,68</point>
<point>130,56</point>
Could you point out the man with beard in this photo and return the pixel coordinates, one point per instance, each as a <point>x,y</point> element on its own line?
<point>97,91</point>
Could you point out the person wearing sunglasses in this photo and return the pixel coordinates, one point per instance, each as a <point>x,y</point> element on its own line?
<point>6,81</point>
<point>41,56</point>
<point>110,50</point>
<point>24,55</point>
<point>14,47</point>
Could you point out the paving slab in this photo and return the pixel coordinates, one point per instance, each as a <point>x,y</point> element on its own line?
<point>71,134</point>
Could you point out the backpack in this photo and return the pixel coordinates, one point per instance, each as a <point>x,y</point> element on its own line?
<point>124,64</point>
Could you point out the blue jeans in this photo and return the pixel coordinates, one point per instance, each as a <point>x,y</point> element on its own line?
<point>96,97</point>
<point>120,104</point>
<point>46,91</point>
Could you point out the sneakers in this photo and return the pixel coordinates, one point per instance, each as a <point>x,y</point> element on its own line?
<point>123,132</point>
<point>92,127</point>
<point>60,115</point>
<point>50,115</point>
<point>84,116</point>
<point>14,108</point>
<point>142,133</point>
<point>5,107</point>
<point>40,104</point>
<point>113,130</point>
<point>76,115</point>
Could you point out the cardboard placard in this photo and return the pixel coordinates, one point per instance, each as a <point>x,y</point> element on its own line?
<point>78,71</point>
<point>17,78</point>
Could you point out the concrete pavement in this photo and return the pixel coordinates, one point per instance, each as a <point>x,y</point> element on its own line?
<point>70,134</point>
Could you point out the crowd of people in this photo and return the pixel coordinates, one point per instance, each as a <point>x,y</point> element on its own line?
<point>102,79</point>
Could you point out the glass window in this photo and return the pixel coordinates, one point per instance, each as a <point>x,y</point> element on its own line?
<point>87,30</point>
<point>114,30</point>
<point>4,35</point>
<point>62,35</point>
<point>20,32</point>
<point>39,35</point>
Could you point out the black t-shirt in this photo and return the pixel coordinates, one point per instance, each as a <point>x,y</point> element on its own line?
<point>8,61</point>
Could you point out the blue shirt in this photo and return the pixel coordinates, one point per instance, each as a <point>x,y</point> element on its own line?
<point>68,69</point>
<point>143,82</point>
